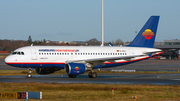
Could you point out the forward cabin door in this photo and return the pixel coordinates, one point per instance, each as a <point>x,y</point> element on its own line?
<point>33,54</point>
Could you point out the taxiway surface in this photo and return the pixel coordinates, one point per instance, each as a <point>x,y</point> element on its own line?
<point>116,78</point>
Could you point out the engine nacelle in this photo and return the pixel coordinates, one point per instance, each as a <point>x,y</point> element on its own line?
<point>75,68</point>
<point>46,70</point>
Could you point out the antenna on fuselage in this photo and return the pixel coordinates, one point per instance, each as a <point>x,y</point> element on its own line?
<point>102,37</point>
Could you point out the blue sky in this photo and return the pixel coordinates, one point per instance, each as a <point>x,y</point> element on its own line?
<point>80,20</point>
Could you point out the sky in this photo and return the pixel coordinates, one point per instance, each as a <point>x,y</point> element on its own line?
<point>80,20</point>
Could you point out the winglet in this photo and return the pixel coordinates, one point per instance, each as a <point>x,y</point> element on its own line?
<point>110,44</point>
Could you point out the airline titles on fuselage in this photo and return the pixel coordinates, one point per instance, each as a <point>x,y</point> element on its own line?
<point>58,50</point>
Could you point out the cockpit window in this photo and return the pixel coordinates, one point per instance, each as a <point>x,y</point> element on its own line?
<point>22,53</point>
<point>18,53</point>
<point>14,53</point>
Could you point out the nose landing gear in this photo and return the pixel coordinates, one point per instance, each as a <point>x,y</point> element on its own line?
<point>29,73</point>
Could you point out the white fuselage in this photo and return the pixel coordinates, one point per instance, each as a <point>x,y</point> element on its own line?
<point>57,56</point>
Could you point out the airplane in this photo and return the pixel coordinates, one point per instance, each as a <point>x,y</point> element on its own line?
<point>76,60</point>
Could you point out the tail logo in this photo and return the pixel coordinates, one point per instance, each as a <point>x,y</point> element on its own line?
<point>148,34</point>
<point>76,68</point>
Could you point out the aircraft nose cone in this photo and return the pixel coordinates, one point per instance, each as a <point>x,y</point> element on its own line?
<point>7,59</point>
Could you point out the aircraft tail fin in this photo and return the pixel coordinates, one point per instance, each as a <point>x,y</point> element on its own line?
<point>146,36</point>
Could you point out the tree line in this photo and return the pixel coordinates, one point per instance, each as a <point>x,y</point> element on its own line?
<point>11,45</point>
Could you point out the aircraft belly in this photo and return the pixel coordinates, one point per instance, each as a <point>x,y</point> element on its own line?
<point>59,66</point>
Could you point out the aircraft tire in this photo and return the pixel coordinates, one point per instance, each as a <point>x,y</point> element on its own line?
<point>90,74</point>
<point>29,75</point>
<point>94,75</point>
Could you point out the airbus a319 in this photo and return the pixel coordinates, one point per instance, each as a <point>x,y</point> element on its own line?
<point>77,60</point>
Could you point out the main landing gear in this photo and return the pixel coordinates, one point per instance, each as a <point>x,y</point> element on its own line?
<point>92,74</point>
<point>29,73</point>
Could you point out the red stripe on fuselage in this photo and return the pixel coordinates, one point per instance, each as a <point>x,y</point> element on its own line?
<point>126,61</point>
<point>157,53</point>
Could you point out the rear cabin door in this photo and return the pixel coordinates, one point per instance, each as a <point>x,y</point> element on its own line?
<point>33,54</point>
<point>131,51</point>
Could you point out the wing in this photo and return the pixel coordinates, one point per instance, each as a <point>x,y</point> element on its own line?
<point>100,61</point>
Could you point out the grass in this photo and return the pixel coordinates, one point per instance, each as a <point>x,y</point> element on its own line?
<point>90,92</point>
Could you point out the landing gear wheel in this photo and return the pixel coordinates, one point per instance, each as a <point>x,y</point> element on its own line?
<point>72,76</point>
<point>92,74</point>
<point>29,75</point>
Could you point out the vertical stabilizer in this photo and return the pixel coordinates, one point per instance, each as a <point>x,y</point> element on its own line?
<point>146,36</point>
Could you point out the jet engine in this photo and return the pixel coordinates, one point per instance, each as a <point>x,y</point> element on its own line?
<point>75,68</point>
